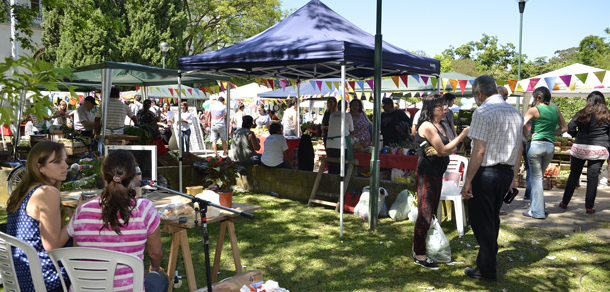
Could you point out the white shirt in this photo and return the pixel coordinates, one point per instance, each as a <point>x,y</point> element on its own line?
<point>186,116</point>
<point>275,145</point>
<point>334,129</point>
<point>416,118</point>
<point>115,119</point>
<point>83,114</point>
<point>500,125</point>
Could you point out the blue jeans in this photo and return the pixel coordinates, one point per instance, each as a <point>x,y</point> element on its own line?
<point>539,155</point>
<point>528,177</point>
<point>156,282</point>
<point>290,133</point>
<point>186,137</point>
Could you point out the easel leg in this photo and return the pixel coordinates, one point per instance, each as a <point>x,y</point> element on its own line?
<point>234,247</point>
<point>188,262</point>
<point>219,242</point>
<point>173,259</point>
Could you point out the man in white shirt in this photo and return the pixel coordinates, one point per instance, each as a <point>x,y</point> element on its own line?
<point>496,132</point>
<point>115,116</point>
<point>83,118</point>
<point>154,108</point>
<point>333,140</point>
<point>136,106</point>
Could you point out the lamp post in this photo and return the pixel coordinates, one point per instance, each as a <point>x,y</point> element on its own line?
<point>521,9</point>
<point>164,48</point>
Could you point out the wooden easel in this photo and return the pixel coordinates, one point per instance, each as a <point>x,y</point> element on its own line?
<point>314,193</point>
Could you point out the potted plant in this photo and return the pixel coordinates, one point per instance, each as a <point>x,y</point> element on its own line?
<point>394,147</point>
<point>220,173</point>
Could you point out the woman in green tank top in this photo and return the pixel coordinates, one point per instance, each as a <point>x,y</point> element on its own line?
<point>544,119</point>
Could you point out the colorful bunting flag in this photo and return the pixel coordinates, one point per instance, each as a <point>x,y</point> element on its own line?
<point>556,87</point>
<point>416,77</point>
<point>434,82</point>
<point>444,82</point>
<point>454,84</point>
<point>405,80</point>
<point>371,83</point>
<point>550,82</point>
<point>313,84</point>
<point>258,81</point>
<point>600,75</point>
<point>512,84</point>
<point>360,84</point>
<point>171,91</point>
<point>519,88</point>
<point>319,85</point>
<point>283,83</point>
<point>395,79</point>
<point>190,91</point>
<point>222,86</point>
<point>329,84</point>
<point>183,92</point>
<point>582,77</point>
<point>425,79</point>
<point>352,84</point>
<point>336,84</point>
<point>532,85</point>
<point>463,84</point>
<point>566,79</point>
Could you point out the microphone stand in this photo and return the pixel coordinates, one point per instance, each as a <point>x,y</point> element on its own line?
<point>203,208</point>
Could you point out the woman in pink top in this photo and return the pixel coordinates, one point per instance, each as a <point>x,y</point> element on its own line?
<point>119,222</point>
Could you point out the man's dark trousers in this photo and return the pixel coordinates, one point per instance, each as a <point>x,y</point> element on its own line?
<point>489,186</point>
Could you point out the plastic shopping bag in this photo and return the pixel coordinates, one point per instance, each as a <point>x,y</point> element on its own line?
<point>450,189</point>
<point>402,206</point>
<point>362,208</point>
<point>437,244</point>
<point>211,197</point>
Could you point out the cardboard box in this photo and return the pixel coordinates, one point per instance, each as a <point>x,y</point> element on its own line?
<point>235,283</point>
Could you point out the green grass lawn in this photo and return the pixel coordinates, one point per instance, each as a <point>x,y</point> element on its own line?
<point>300,248</point>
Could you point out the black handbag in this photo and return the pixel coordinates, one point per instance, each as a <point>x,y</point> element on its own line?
<point>509,197</point>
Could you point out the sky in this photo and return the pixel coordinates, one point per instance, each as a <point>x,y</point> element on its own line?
<point>434,25</point>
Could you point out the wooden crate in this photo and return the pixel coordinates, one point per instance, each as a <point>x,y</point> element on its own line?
<point>560,182</point>
<point>548,182</point>
<point>75,151</point>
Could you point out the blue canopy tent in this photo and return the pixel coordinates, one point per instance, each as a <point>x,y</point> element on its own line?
<point>312,43</point>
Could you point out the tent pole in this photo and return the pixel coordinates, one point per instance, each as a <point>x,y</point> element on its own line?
<point>228,119</point>
<point>17,130</point>
<point>374,181</point>
<point>298,128</point>
<point>342,178</point>
<point>181,144</point>
<point>106,87</point>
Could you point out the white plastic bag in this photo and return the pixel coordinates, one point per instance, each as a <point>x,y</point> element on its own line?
<point>450,189</point>
<point>402,206</point>
<point>437,244</point>
<point>362,208</point>
<point>397,173</point>
<point>211,197</point>
<point>413,214</point>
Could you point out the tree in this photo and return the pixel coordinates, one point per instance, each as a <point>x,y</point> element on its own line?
<point>122,31</point>
<point>594,51</point>
<point>215,24</point>
<point>446,64</point>
<point>466,66</point>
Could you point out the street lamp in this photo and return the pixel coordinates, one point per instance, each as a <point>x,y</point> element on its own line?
<point>521,9</point>
<point>165,47</point>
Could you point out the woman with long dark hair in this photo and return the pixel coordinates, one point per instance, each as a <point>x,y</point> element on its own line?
<point>331,107</point>
<point>544,119</point>
<point>591,128</point>
<point>430,170</point>
<point>119,222</point>
<point>165,123</point>
<point>34,209</point>
<point>361,125</point>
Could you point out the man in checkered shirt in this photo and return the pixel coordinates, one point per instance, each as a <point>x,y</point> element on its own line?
<point>496,132</point>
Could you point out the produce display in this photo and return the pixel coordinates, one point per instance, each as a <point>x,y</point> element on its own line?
<point>551,170</point>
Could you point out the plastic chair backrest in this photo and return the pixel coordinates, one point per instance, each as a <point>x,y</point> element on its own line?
<point>92,269</point>
<point>454,165</point>
<point>9,275</point>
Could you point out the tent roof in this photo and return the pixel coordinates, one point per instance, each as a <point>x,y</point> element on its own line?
<point>580,89</point>
<point>129,74</point>
<point>313,42</point>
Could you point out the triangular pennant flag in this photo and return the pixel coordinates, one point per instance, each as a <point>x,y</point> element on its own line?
<point>362,96</point>
<point>371,83</point>
<point>196,91</point>
<point>416,77</point>
<point>190,91</point>
<point>454,83</point>
<point>360,84</point>
<point>471,81</point>
<point>582,77</point>
<point>566,79</point>
<point>329,84</point>
<point>550,81</point>
<point>313,84</point>
<point>171,91</point>
<point>319,85</point>
<point>277,84</point>
<point>352,84</point>
<point>184,92</point>
<point>425,79</point>
<point>271,85</point>
<point>258,81</point>
<point>137,87</point>
<point>600,75</point>
<point>556,87</point>
<point>222,86</point>
<point>434,82</point>
<point>532,84</point>
<point>463,84</point>
<point>501,82</point>
<point>444,82</point>
<point>158,89</point>
<point>336,84</point>
<point>234,86</point>
<point>512,84</point>
<point>599,86</point>
<point>422,93</point>
<point>405,80</point>
<point>396,79</point>
<point>215,89</point>
<point>283,83</point>
<point>519,88</point>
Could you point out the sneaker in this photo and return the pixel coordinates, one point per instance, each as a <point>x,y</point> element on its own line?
<point>563,206</point>
<point>590,211</point>
<point>428,263</point>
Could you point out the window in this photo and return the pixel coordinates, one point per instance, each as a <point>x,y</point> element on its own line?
<point>35,5</point>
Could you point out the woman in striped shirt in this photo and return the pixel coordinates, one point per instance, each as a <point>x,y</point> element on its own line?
<point>119,222</point>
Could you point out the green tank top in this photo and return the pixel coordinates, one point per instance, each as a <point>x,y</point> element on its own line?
<point>545,125</point>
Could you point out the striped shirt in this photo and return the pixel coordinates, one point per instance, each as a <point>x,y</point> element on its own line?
<point>117,111</point>
<point>85,227</point>
<point>82,114</point>
<point>500,125</point>
<point>217,113</point>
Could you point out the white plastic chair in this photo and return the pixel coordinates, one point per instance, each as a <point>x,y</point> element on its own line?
<point>92,269</point>
<point>460,214</point>
<point>7,267</point>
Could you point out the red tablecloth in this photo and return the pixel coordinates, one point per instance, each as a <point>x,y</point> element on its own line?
<point>408,162</point>
<point>292,144</point>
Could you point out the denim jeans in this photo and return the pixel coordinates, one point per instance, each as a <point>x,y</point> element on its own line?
<point>290,133</point>
<point>539,155</point>
<point>156,282</point>
<point>186,138</point>
<point>528,178</point>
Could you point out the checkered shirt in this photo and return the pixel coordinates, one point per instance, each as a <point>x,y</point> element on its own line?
<point>500,126</point>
